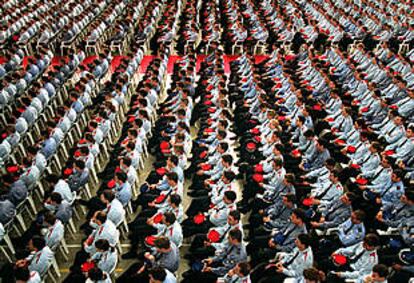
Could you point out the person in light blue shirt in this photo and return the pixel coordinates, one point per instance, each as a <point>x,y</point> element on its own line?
<point>352,231</point>
<point>123,190</point>
<point>106,257</point>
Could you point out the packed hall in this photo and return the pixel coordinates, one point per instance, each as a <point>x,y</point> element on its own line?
<point>207,141</point>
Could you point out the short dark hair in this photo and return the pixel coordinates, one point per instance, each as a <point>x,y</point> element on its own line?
<point>169,217</point>
<point>101,216</point>
<point>244,268</point>
<point>22,274</point>
<point>372,240</point>
<point>102,244</point>
<point>95,274</point>
<point>305,239</point>
<point>50,218</point>
<point>230,195</point>
<point>175,199</point>
<point>381,269</point>
<point>56,197</point>
<point>235,214</point>
<point>300,213</point>
<point>38,242</point>
<point>162,243</point>
<point>109,195</point>
<point>172,176</point>
<point>236,234</point>
<point>158,273</point>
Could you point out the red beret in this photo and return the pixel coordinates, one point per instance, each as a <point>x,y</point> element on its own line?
<point>339,259</point>
<point>150,240</point>
<point>258,178</point>
<point>164,145</point>
<point>258,168</point>
<point>213,236</point>
<point>361,181</point>
<point>111,184</point>
<point>307,201</point>
<point>160,199</point>
<point>158,218</point>
<point>13,169</point>
<point>199,218</point>
<point>251,146</point>
<point>161,171</point>
<point>206,167</point>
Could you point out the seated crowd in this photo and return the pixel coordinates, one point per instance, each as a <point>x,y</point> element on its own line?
<point>295,166</point>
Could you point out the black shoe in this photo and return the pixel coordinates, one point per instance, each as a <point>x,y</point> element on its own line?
<point>129,255</point>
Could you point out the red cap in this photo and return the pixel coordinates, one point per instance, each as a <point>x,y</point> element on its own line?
<point>82,141</point>
<point>355,166</point>
<point>161,171</point>
<point>209,130</point>
<point>308,201</point>
<point>111,184</point>
<point>206,167</point>
<point>158,218</point>
<point>258,138</point>
<point>13,169</point>
<point>160,199</point>
<point>164,145</point>
<point>339,142</point>
<point>364,109</point>
<point>281,118</point>
<point>255,131</point>
<point>199,218</point>
<point>86,266</point>
<point>351,149</point>
<point>339,259</point>
<point>317,107</point>
<point>251,146</point>
<point>117,169</point>
<point>258,168</point>
<point>150,240</point>
<point>258,178</point>
<point>131,119</point>
<point>77,153</point>
<point>211,110</point>
<point>361,181</point>
<point>68,171</point>
<point>389,152</point>
<point>213,236</point>
<point>208,102</point>
<point>203,154</point>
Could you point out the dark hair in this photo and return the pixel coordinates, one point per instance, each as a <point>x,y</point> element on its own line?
<point>172,176</point>
<point>169,217</point>
<point>109,195</point>
<point>174,159</point>
<point>56,197</point>
<point>22,274</point>
<point>359,214</point>
<point>175,199</point>
<point>304,239</point>
<point>235,214</point>
<point>38,242</point>
<point>50,218</point>
<point>122,176</point>
<point>80,164</point>
<point>224,146</point>
<point>300,213</point>
<point>244,268</point>
<point>95,274</point>
<point>381,269</point>
<point>230,195</point>
<point>102,244</point>
<point>236,234</point>
<point>229,175</point>
<point>227,158</point>
<point>162,243</point>
<point>372,240</point>
<point>101,216</point>
<point>158,273</point>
